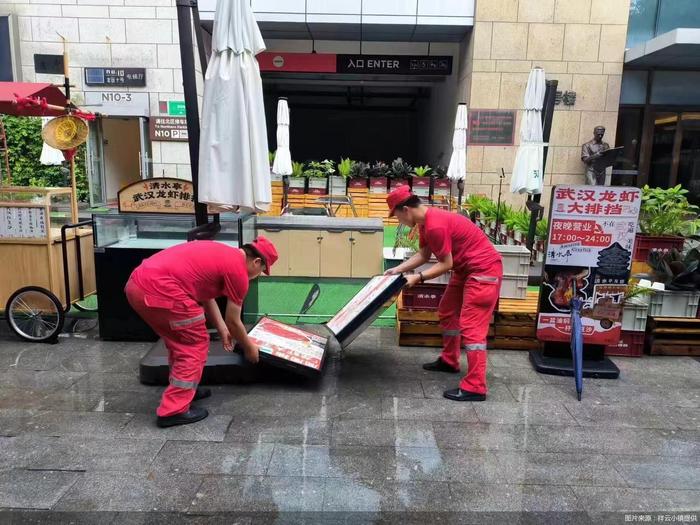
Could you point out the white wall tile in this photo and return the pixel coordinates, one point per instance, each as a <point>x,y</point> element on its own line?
<point>464,21</point>
<point>389,19</point>
<point>86,11</point>
<point>89,55</point>
<point>157,3</point>
<point>169,56</point>
<point>166,12</point>
<point>132,12</point>
<point>159,80</point>
<point>389,7</point>
<point>184,171</point>
<point>28,74</point>
<point>98,30</point>
<point>48,29</point>
<point>99,2</point>
<point>177,83</point>
<point>333,19</point>
<point>149,31</point>
<point>133,55</point>
<point>24,24</point>
<point>175,152</point>
<point>37,10</point>
<point>29,49</point>
<point>279,6</point>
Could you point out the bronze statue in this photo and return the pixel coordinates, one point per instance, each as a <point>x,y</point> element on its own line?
<point>590,152</point>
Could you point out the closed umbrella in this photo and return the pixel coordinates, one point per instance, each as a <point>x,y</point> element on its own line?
<point>577,343</point>
<point>528,168</point>
<point>234,169</point>
<point>283,158</point>
<point>458,162</point>
<point>50,156</point>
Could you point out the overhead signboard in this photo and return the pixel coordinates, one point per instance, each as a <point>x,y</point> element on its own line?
<point>589,252</point>
<point>160,195</point>
<point>170,129</point>
<point>489,127</point>
<point>355,64</point>
<point>174,108</point>
<point>115,76</point>
<point>119,103</point>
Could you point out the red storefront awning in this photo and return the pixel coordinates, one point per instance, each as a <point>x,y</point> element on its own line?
<point>20,98</point>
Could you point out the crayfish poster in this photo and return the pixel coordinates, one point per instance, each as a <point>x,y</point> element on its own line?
<point>589,253</point>
<point>287,346</point>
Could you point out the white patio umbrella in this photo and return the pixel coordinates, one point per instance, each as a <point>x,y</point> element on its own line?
<point>234,169</point>
<point>528,168</point>
<point>458,161</point>
<point>50,156</point>
<point>283,158</point>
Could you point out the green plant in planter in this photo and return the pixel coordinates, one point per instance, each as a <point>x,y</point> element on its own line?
<point>667,212</point>
<point>379,169</point>
<point>674,268</point>
<point>542,229</point>
<point>520,221</point>
<point>440,172</point>
<point>297,169</point>
<point>400,169</point>
<point>636,294</point>
<point>359,170</point>
<point>319,170</point>
<point>422,171</point>
<point>345,167</point>
<point>475,203</point>
<point>489,210</point>
<point>271,157</point>
<point>406,238</point>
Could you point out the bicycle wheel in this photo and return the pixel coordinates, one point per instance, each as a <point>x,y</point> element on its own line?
<point>35,314</point>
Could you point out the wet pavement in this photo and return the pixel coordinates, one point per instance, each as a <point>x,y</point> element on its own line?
<point>372,441</point>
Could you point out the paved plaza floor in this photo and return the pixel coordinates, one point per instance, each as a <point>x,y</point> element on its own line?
<point>372,441</point>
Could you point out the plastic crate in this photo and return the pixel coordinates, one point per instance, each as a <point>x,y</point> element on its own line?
<point>516,260</point>
<point>423,296</point>
<point>514,286</point>
<point>644,244</point>
<point>631,344</point>
<point>634,317</point>
<point>674,304</point>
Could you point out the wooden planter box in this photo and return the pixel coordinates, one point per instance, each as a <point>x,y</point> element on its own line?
<point>441,187</point>
<point>644,244</point>
<point>358,183</point>
<point>318,186</point>
<point>397,183</point>
<point>338,185</point>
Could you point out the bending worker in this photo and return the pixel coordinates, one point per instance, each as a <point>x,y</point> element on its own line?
<point>466,308</point>
<point>172,291</point>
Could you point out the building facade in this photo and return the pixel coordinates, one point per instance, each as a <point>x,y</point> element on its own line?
<point>379,79</point>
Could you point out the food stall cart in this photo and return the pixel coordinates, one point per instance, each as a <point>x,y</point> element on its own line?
<point>47,259</point>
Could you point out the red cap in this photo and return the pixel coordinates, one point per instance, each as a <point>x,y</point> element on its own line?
<point>267,251</point>
<point>396,197</point>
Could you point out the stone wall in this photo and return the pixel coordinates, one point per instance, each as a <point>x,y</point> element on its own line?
<point>580,43</point>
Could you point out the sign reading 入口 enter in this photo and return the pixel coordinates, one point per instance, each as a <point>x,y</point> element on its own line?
<point>170,129</point>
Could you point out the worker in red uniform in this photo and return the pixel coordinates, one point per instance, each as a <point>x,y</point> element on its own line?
<point>470,298</point>
<point>174,289</point>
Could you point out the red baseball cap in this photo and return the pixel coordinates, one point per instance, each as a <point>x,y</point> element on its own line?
<point>396,197</point>
<point>267,251</point>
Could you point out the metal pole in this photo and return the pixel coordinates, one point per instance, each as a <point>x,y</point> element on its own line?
<point>184,24</point>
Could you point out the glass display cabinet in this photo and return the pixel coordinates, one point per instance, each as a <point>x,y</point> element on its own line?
<point>123,240</point>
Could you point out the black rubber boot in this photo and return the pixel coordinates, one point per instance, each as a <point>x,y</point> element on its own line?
<point>202,393</point>
<point>457,394</point>
<point>440,366</point>
<point>193,415</point>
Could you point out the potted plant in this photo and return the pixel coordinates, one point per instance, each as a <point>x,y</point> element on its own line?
<point>488,213</point>
<point>297,182</point>
<point>474,205</point>
<point>378,177</point>
<point>359,175</point>
<point>665,218</point>
<point>504,212</point>
<point>420,181</point>
<point>399,173</point>
<point>339,183</point>
<point>521,225</point>
<point>441,184</point>
<point>317,174</point>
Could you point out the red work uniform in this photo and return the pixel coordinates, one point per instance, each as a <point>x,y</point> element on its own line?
<point>167,290</point>
<point>470,298</point>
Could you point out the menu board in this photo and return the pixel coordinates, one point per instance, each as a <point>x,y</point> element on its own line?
<point>17,222</point>
<point>289,347</point>
<point>589,250</point>
<point>364,307</point>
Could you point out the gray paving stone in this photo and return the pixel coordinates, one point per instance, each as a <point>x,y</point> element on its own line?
<point>287,429</point>
<point>631,416</point>
<point>434,389</point>
<point>41,517</point>
<point>18,452</point>
<point>427,409</point>
<point>342,495</point>
<point>124,401</point>
<point>199,457</point>
<point>382,433</point>
<point>601,499</point>
<point>338,462</point>
<point>48,423</point>
<point>659,472</point>
<point>129,491</point>
<point>481,436</point>
<point>38,379</point>
<point>514,498</point>
<point>259,494</point>
<point>524,413</point>
<point>143,426</point>
<point>509,359</point>
<point>93,454</point>
<point>102,382</point>
<point>433,464</point>
<point>513,376</point>
<point>684,418</point>
<point>33,489</point>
